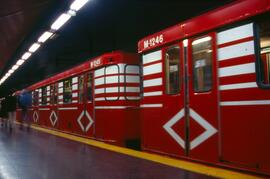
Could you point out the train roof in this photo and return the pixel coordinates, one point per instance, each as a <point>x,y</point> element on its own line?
<point>233,12</point>
<point>91,64</point>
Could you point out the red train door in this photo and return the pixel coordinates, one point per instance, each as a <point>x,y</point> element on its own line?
<point>53,118</point>
<point>174,101</point>
<point>85,119</point>
<point>89,105</point>
<point>202,99</point>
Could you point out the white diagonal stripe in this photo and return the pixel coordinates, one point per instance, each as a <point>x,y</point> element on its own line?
<point>171,132</point>
<point>210,130</point>
<point>238,86</point>
<point>237,70</point>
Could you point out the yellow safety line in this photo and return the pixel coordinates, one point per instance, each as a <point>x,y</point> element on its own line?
<point>189,166</point>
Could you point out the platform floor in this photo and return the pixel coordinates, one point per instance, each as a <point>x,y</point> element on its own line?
<point>37,155</point>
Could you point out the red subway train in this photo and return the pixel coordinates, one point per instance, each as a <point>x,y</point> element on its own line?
<point>198,90</point>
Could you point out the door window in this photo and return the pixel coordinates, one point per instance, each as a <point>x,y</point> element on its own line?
<point>89,87</point>
<point>202,64</point>
<point>172,63</point>
<point>67,93</point>
<point>81,89</point>
<point>264,61</point>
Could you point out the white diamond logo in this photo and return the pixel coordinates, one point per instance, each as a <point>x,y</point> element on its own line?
<point>53,118</point>
<point>170,123</point>
<point>79,120</point>
<point>35,117</point>
<point>209,129</point>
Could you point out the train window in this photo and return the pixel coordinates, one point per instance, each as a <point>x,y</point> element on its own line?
<point>67,91</point>
<point>264,52</point>
<point>112,78</point>
<point>43,95</point>
<point>54,94</point>
<point>202,64</point>
<point>132,82</point>
<point>89,87</point>
<point>81,88</point>
<point>35,98</point>
<point>172,63</point>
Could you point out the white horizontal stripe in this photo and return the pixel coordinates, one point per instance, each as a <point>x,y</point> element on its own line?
<point>116,90</point>
<point>75,87</point>
<point>121,98</point>
<point>151,105</point>
<point>74,95</point>
<point>68,108</point>
<point>112,107</point>
<point>60,84</point>
<point>237,70</point>
<point>74,101</point>
<point>48,88</point>
<point>152,82</point>
<point>156,93</point>
<point>234,34</point>
<point>99,72</point>
<point>114,79</point>
<point>60,97</point>
<point>60,90</point>
<point>238,86</point>
<point>152,57</point>
<point>48,93</point>
<point>234,51</point>
<point>75,80</point>
<point>245,103</point>
<point>60,102</point>
<point>44,109</point>
<point>132,69</point>
<point>111,70</point>
<point>152,69</point>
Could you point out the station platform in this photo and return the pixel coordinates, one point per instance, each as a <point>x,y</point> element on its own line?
<point>44,153</point>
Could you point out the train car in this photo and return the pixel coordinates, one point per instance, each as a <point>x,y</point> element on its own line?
<point>98,99</point>
<point>206,90</point>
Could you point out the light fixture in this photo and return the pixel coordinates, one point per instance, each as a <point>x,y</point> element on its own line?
<point>78,4</point>
<point>185,42</point>
<point>26,55</point>
<point>60,21</point>
<point>34,47</point>
<point>10,71</point>
<point>45,36</point>
<point>15,67</point>
<point>20,62</point>
<point>204,39</point>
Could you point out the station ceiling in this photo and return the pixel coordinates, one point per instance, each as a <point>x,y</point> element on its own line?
<point>101,26</point>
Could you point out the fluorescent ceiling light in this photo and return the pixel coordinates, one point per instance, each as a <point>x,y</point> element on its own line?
<point>10,71</point>
<point>20,62</point>
<point>26,55</point>
<point>34,47</point>
<point>15,67</point>
<point>45,36</point>
<point>78,4</point>
<point>60,21</point>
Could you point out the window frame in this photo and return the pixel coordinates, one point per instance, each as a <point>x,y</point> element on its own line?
<point>258,59</point>
<point>212,40</point>
<point>180,70</point>
<point>70,78</point>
